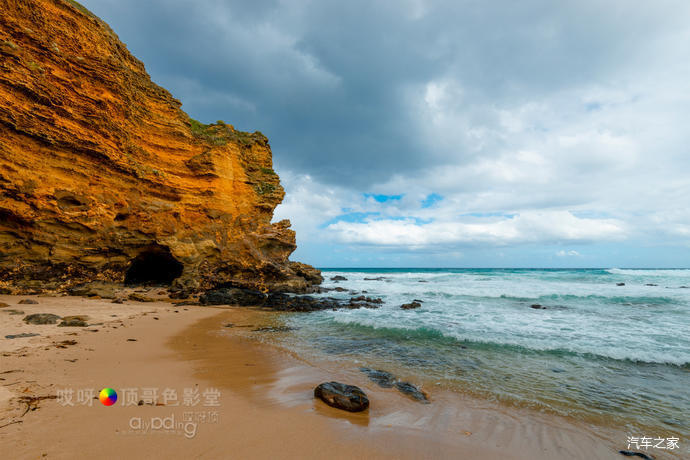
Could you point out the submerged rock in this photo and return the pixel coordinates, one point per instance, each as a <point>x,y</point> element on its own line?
<point>41,318</point>
<point>651,284</point>
<point>412,391</point>
<point>537,306</point>
<point>378,278</point>
<point>342,396</point>
<point>338,278</point>
<point>381,378</point>
<point>410,306</point>
<point>620,284</point>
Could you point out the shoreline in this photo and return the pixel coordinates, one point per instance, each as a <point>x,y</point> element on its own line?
<point>266,396</point>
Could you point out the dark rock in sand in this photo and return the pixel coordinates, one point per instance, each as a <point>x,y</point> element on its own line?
<point>28,302</point>
<point>179,293</point>
<point>630,453</point>
<point>94,289</point>
<point>186,303</point>
<point>410,306</point>
<point>74,321</point>
<point>381,378</point>
<point>274,329</point>
<point>131,340</point>
<point>342,396</point>
<point>620,284</point>
<point>412,391</point>
<point>233,296</point>
<point>338,278</point>
<point>3,305</point>
<point>537,306</point>
<point>118,300</point>
<point>140,298</point>
<point>41,318</point>
<point>22,335</point>
<point>275,300</point>
<point>12,311</point>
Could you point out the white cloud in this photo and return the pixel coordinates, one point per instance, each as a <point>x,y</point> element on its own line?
<point>571,253</point>
<point>528,227</point>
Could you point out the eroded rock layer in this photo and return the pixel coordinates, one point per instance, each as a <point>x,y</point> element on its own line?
<point>104,177</point>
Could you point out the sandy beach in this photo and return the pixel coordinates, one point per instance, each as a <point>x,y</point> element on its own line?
<point>264,405</point>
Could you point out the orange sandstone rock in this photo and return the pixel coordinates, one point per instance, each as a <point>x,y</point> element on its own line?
<point>104,177</point>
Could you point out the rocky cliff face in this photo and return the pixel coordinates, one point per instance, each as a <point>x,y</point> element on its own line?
<point>104,177</point>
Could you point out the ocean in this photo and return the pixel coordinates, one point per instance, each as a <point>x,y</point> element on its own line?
<point>599,351</point>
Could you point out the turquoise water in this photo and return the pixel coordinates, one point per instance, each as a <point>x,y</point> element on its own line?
<point>618,355</point>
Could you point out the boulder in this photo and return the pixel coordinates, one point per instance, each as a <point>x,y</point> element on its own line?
<point>342,396</point>
<point>338,278</point>
<point>28,302</point>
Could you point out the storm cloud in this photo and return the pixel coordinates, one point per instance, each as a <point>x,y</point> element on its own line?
<point>478,125</point>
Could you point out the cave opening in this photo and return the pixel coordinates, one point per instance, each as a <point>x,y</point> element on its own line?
<point>155,265</point>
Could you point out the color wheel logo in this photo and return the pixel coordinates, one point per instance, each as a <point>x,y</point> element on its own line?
<point>108,396</point>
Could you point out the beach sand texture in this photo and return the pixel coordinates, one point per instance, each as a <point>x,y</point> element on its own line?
<point>266,405</point>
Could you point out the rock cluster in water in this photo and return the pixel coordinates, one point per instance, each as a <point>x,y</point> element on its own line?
<point>282,301</point>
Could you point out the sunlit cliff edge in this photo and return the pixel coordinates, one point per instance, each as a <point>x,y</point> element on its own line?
<point>101,170</point>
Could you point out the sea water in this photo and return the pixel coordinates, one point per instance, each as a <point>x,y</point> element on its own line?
<point>598,351</point>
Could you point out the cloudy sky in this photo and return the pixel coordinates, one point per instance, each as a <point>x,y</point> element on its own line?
<point>460,133</point>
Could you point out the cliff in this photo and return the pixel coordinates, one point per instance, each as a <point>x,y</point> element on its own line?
<point>104,177</point>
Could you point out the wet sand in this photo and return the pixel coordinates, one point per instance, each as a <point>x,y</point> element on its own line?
<point>266,406</point>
